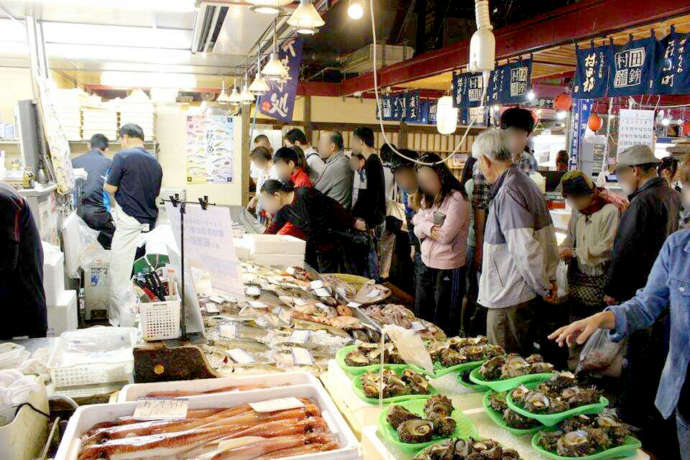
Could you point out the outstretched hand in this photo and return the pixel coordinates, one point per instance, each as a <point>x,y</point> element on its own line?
<point>580,331</point>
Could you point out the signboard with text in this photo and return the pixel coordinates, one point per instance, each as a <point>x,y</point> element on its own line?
<point>279,101</point>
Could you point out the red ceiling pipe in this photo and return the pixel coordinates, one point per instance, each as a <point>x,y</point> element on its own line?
<point>580,21</point>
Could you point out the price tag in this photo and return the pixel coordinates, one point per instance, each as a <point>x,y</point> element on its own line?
<point>216,299</point>
<point>316,284</point>
<point>240,356</point>
<point>212,307</point>
<point>302,357</point>
<point>354,304</point>
<point>299,336</point>
<point>161,409</point>
<point>253,291</point>
<point>257,304</point>
<point>229,331</point>
<point>322,292</point>
<point>273,405</point>
<point>417,326</point>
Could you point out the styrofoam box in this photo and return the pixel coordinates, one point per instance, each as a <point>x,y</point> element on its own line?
<point>87,416</point>
<point>53,275</point>
<point>279,260</point>
<point>62,316</point>
<point>276,244</point>
<point>135,391</point>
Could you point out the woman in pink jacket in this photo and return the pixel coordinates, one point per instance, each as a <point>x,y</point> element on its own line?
<point>441,225</point>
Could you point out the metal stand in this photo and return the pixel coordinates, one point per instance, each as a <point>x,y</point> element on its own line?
<point>175,200</point>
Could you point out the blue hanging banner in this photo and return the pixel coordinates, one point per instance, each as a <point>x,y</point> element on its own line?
<point>279,101</point>
<point>510,83</point>
<point>467,89</point>
<point>386,107</point>
<point>412,107</point>
<point>398,105</point>
<point>632,67</point>
<point>480,115</point>
<point>672,64</point>
<point>433,105</point>
<point>581,110</point>
<point>592,72</point>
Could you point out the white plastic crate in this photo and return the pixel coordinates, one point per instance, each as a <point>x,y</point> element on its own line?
<point>136,391</point>
<point>87,416</point>
<point>160,320</point>
<point>69,368</point>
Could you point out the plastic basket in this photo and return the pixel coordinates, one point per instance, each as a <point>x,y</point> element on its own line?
<point>472,386</point>
<point>160,320</point>
<point>497,418</point>
<point>627,449</point>
<point>464,428</point>
<point>353,371</point>
<point>507,384</point>
<point>97,371</point>
<point>553,419</point>
<point>357,387</point>
<point>440,371</point>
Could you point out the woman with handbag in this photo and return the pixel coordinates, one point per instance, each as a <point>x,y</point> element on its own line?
<point>587,247</point>
<point>441,224</point>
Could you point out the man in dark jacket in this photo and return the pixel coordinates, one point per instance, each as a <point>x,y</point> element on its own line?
<point>643,228</point>
<point>652,216</point>
<point>91,207</point>
<point>21,269</point>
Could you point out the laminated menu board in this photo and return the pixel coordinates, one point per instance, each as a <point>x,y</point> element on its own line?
<point>210,148</point>
<point>635,127</point>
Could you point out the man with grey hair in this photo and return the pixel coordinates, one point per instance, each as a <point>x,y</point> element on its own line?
<point>520,250</point>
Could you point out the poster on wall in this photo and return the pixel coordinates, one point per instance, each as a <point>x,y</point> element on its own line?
<point>467,89</point>
<point>279,101</point>
<point>632,66</point>
<point>592,72</point>
<point>672,64</point>
<point>510,83</point>
<point>209,149</point>
<point>578,127</point>
<point>635,127</point>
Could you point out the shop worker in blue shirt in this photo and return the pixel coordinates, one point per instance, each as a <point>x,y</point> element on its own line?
<point>135,182</point>
<point>91,207</point>
<point>668,286</point>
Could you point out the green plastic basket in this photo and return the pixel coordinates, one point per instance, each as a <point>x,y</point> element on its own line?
<point>357,387</point>
<point>357,370</point>
<point>464,429</point>
<point>627,449</point>
<point>471,386</point>
<point>507,384</point>
<point>553,419</point>
<point>497,418</point>
<point>440,371</point>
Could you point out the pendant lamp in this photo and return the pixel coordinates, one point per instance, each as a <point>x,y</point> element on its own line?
<point>274,70</point>
<point>235,97</point>
<point>247,97</point>
<point>268,6</point>
<point>223,97</point>
<point>306,18</point>
<point>259,87</point>
<point>446,116</point>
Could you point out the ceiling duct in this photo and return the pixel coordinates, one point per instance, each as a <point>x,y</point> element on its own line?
<point>207,25</point>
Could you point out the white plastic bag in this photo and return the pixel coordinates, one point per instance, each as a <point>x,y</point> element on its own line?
<point>599,353</point>
<point>562,279</point>
<point>15,389</point>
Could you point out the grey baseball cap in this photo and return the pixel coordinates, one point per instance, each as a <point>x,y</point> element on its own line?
<point>635,156</point>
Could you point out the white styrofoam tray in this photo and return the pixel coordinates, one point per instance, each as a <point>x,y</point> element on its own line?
<point>275,244</point>
<point>87,416</point>
<point>136,391</point>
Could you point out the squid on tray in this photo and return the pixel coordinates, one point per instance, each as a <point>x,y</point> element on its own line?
<point>238,433</point>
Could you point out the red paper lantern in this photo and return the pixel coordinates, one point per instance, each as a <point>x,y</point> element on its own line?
<point>563,102</point>
<point>594,122</point>
<point>686,128</point>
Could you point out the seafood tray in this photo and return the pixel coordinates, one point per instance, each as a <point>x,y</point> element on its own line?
<point>86,417</point>
<point>628,449</point>
<point>499,420</point>
<point>507,383</point>
<point>464,427</point>
<point>554,418</point>
<point>360,392</point>
<point>203,387</point>
<point>464,380</point>
<point>357,370</point>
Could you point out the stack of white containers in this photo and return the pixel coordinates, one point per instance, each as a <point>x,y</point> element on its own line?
<point>68,106</point>
<point>273,250</point>
<point>137,108</point>
<point>61,304</point>
<point>98,118</point>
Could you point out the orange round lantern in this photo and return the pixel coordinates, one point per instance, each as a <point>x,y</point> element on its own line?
<point>563,102</point>
<point>686,128</point>
<point>594,122</point>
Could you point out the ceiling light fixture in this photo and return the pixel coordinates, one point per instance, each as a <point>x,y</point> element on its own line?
<point>247,97</point>
<point>306,31</point>
<point>223,97</point>
<point>259,87</point>
<point>268,6</point>
<point>306,17</point>
<point>355,10</point>
<point>446,116</point>
<point>274,70</point>
<point>235,96</point>
<point>531,95</point>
